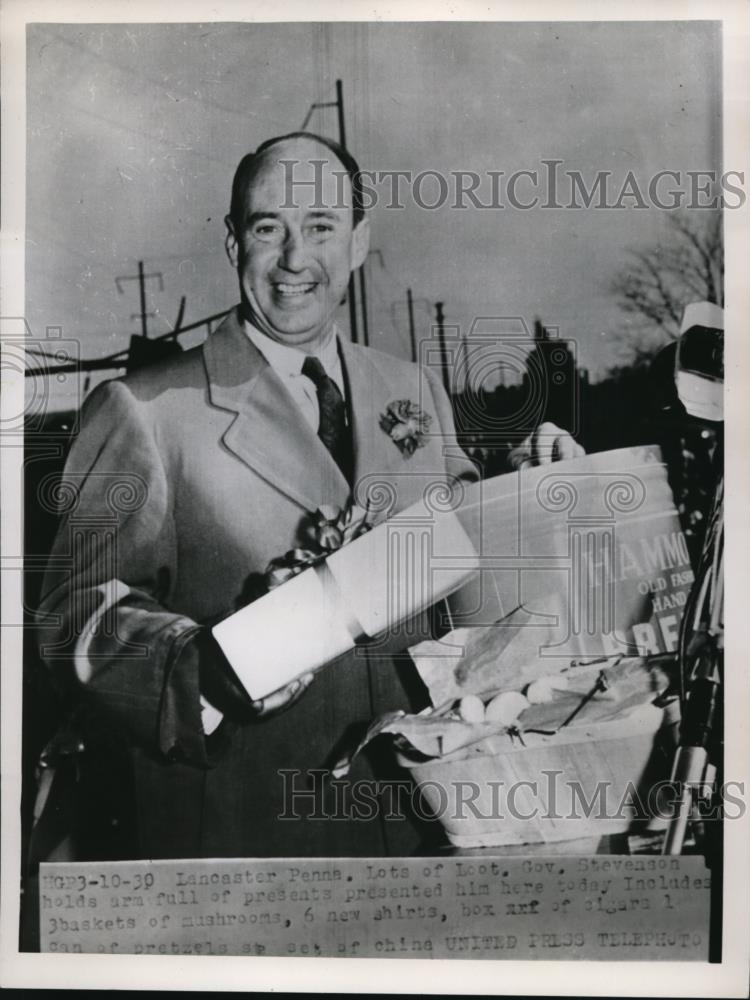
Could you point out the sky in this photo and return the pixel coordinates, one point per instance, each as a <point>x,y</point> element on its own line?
<point>134,132</point>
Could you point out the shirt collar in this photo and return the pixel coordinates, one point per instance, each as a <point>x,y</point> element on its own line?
<point>288,361</point>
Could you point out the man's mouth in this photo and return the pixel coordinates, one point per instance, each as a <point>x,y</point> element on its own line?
<point>294,289</point>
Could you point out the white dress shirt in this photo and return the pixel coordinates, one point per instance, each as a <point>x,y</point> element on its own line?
<point>287,363</point>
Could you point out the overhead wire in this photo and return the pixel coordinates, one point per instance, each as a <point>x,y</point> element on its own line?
<point>154,80</point>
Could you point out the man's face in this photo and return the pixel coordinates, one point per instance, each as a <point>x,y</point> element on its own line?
<point>296,245</point>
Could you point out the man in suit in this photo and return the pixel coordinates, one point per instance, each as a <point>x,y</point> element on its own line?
<point>186,480</point>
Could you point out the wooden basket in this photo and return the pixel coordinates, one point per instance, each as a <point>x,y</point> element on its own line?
<point>499,792</point>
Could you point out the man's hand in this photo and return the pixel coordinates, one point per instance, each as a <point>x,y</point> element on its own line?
<point>548,443</point>
<point>282,699</point>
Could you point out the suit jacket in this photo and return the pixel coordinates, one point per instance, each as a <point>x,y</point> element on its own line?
<point>186,479</point>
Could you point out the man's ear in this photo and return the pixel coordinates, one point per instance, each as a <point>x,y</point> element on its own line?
<point>230,242</point>
<point>360,242</point>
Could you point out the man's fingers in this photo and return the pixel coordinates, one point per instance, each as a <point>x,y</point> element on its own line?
<point>567,447</point>
<point>542,443</point>
<point>551,443</point>
<point>564,448</point>
<point>279,699</point>
<point>543,454</point>
<point>284,696</point>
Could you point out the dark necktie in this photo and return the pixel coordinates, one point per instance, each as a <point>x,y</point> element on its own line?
<point>332,428</point>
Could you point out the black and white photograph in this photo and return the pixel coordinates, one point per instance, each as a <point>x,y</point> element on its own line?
<point>364,486</point>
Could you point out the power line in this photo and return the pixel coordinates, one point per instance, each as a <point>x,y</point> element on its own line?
<point>115,124</point>
<point>384,303</point>
<point>120,359</point>
<point>422,303</point>
<point>185,95</point>
<point>439,316</point>
<point>412,331</point>
<point>339,105</point>
<point>141,278</point>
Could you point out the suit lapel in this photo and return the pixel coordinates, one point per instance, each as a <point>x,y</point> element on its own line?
<point>374,453</point>
<point>269,433</point>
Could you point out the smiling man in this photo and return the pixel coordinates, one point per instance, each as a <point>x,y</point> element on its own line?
<point>294,239</point>
<point>187,479</point>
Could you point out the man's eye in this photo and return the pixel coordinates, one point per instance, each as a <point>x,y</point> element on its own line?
<point>266,230</point>
<point>321,228</point>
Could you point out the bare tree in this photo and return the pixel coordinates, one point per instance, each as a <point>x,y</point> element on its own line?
<point>663,278</point>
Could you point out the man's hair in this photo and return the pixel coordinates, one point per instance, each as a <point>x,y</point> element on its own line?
<point>251,161</point>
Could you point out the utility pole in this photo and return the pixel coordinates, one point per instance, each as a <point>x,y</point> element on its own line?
<point>178,321</point>
<point>363,303</point>
<point>465,353</point>
<point>441,338</point>
<point>141,278</point>
<point>142,290</point>
<point>412,330</point>
<point>340,107</point>
<point>143,351</point>
<point>411,304</point>
<point>351,294</point>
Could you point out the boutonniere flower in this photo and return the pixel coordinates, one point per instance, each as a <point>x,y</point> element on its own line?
<point>406,425</point>
<point>323,532</point>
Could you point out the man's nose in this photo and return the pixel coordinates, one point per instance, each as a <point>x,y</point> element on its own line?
<point>293,253</point>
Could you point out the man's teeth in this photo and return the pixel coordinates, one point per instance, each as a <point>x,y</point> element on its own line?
<point>286,289</point>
